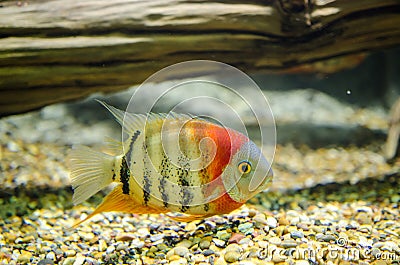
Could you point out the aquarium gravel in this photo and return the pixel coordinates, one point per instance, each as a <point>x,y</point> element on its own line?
<point>355,221</point>
<point>327,205</point>
<point>330,224</point>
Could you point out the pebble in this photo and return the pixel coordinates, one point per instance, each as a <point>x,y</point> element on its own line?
<point>102,245</point>
<point>364,218</point>
<point>379,262</point>
<point>390,246</point>
<point>395,198</point>
<point>180,261</point>
<point>169,254</point>
<point>218,242</point>
<point>51,256</point>
<point>205,243</point>
<point>296,234</point>
<point>162,247</point>
<point>181,251</point>
<point>223,235</point>
<point>24,257</point>
<point>191,226</point>
<point>283,221</point>
<point>391,232</point>
<point>220,261</point>
<point>25,239</point>
<point>245,241</point>
<point>143,232</point>
<point>127,237</point>
<point>272,222</point>
<point>375,252</point>
<point>288,243</point>
<point>137,243</point>
<point>277,257</point>
<point>46,262</point>
<point>245,227</point>
<point>235,238</point>
<point>275,240</point>
<point>121,247</point>
<point>156,237</point>
<point>378,244</point>
<point>79,260</point>
<point>152,250</point>
<point>260,218</point>
<point>232,256</point>
<point>317,229</point>
<point>208,252</point>
<point>86,236</point>
<point>110,249</point>
<point>365,228</point>
<point>234,248</point>
<point>303,226</point>
<point>69,261</point>
<point>185,243</point>
<point>326,238</point>
<point>210,224</point>
<point>70,253</point>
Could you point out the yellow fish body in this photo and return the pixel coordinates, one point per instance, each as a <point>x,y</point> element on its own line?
<point>171,163</point>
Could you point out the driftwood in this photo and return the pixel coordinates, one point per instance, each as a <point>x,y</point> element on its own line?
<point>52,51</point>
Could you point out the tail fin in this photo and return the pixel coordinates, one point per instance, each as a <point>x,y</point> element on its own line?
<point>91,171</point>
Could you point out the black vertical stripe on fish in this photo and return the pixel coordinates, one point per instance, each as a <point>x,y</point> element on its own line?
<point>146,184</point>
<point>164,193</point>
<point>164,170</point>
<point>113,174</point>
<point>185,193</point>
<point>130,149</point>
<point>146,189</point>
<point>206,207</point>
<point>124,176</point>
<point>184,163</point>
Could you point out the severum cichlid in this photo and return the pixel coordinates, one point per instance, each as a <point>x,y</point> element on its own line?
<point>171,163</point>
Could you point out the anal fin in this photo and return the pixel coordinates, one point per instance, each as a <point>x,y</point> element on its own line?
<point>187,217</point>
<point>119,202</point>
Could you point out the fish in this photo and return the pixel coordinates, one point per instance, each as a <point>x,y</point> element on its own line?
<point>184,166</point>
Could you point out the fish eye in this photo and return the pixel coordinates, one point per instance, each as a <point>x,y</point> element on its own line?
<point>244,167</point>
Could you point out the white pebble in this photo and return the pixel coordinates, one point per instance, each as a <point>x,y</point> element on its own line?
<point>272,222</point>
<point>110,249</point>
<point>102,245</point>
<point>219,243</point>
<point>181,251</point>
<point>136,243</point>
<point>143,232</point>
<point>79,260</point>
<point>51,255</point>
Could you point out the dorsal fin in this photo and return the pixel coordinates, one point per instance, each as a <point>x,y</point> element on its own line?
<point>133,122</point>
<point>130,122</point>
